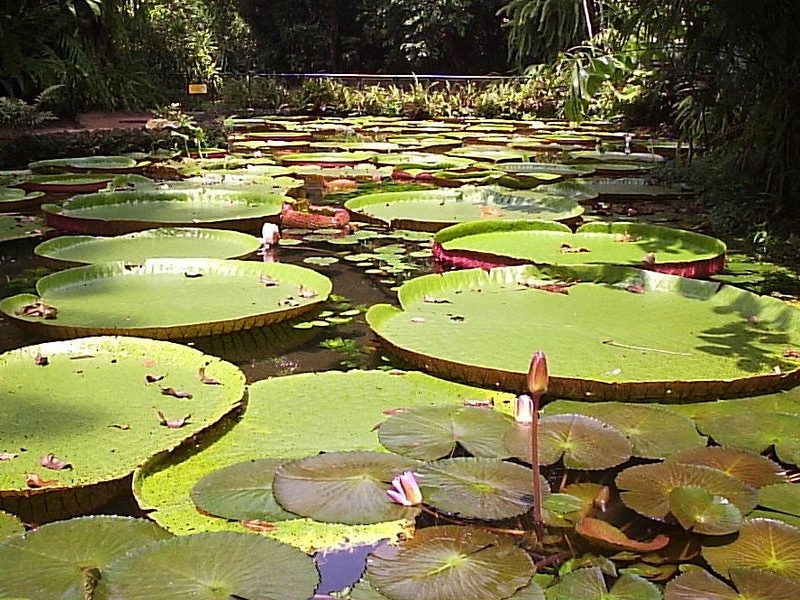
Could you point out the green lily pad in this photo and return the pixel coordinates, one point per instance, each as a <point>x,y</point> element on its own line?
<point>84,164</point>
<point>431,210</point>
<point>450,563</point>
<point>498,243</point>
<point>581,442</point>
<point>92,407</point>
<point>122,212</point>
<point>321,261</point>
<point>423,160</point>
<point>783,497</point>
<point>612,157</point>
<point>647,488</point>
<point>753,584</point>
<point>533,168</point>
<point>489,155</point>
<point>327,159</point>
<point>343,487</point>
<point>66,184</point>
<point>65,559</point>
<point>751,469</point>
<point>291,417</point>
<point>156,299</point>
<point>701,512</point>
<point>134,248</point>
<point>478,488</point>
<point>622,191</point>
<point>774,429</point>
<point>433,432</point>
<point>13,199</point>
<point>241,492</point>
<point>18,227</point>
<point>762,544</point>
<point>590,584</point>
<point>654,432</point>
<point>9,525</point>
<point>488,324</point>
<point>212,566</point>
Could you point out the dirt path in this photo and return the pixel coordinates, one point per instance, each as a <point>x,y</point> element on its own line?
<point>93,121</point>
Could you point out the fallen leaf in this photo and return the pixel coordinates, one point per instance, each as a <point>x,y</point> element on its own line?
<point>268,281</point>
<point>606,534</point>
<point>192,274</point>
<point>122,426</point>
<point>753,320</point>
<point>7,456</point>
<point>51,461</point>
<point>480,403</point>
<point>791,353</point>
<point>435,300</point>
<point>634,288</point>
<point>153,378</point>
<point>457,318</point>
<point>290,302</point>
<point>41,360</point>
<point>394,411</point>
<point>488,212</point>
<point>34,481</point>
<point>602,498</point>
<point>257,525</point>
<point>171,391</point>
<point>567,249</point>
<point>81,356</point>
<point>626,238</point>
<point>417,320</point>
<point>304,292</point>
<point>37,309</point>
<point>172,423</point>
<point>201,373</point>
<point>649,259</point>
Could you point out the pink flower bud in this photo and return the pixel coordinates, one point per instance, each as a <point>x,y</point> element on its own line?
<point>538,376</point>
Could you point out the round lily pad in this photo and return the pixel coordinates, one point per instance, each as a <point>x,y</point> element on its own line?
<point>241,492</point>
<point>134,248</point>
<point>753,584</point>
<point>158,298</point>
<point>69,558</point>
<point>647,488</point>
<point>423,160</point>
<point>752,469</point>
<point>12,199</point>
<point>450,563</point>
<point>489,244</point>
<point>774,429</point>
<point>478,488</point>
<point>594,156</point>
<point>590,584</point>
<point>431,210</point>
<point>483,327</point>
<point>18,227</point>
<point>762,544</point>
<point>291,417</point>
<point>489,155</point>
<point>702,512</point>
<point>107,213</point>
<point>88,403</point>
<point>342,487</point>
<point>326,159</point>
<point>782,497</point>
<point>66,184</point>
<point>85,164</point>
<point>433,432</point>
<point>212,566</point>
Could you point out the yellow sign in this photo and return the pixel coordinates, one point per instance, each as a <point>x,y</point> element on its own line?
<point>198,88</point>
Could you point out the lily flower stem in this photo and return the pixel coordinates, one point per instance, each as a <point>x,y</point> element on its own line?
<point>538,521</point>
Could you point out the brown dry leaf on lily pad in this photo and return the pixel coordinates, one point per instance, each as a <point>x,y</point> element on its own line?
<point>567,249</point>
<point>172,423</point>
<point>34,481</point>
<point>37,309</point>
<point>268,281</point>
<point>201,373</point>
<point>153,378</point>
<point>171,391</point>
<point>51,461</point>
<point>257,525</point>
<point>605,533</point>
<point>305,292</point>
<point>41,360</point>
<point>791,353</point>
<point>434,300</point>
<point>5,456</point>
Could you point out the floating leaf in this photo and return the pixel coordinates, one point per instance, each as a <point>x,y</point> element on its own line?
<point>582,442</point>
<point>450,563</point>
<point>771,429</point>
<point>41,360</point>
<point>34,481</point>
<point>753,584</point>
<point>172,423</point>
<point>258,525</point>
<point>433,432</point>
<point>749,468</point>
<point>171,391</point>
<point>605,533</point>
<point>6,456</point>
<point>149,378</point>
<point>701,512</point>
<point>54,560</point>
<point>589,584</point>
<point>212,566</point>
<point>573,503</point>
<point>647,488</point>
<point>201,374</point>
<point>478,488</point>
<point>241,492</point>
<point>783,497</point>
<point>762,544</point>
<point>51,461</point>
<point>342,487</point>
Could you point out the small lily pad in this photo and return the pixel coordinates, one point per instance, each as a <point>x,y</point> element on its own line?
<point>699,511</point>
<point>749,468</point>
<point>590,584</point>
<point>321,261</point>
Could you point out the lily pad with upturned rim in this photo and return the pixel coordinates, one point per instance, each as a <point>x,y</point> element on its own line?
<point>328,159</point>
<point>66,184</point>
<point>158,298</point>
<point>450,563</point>
<point>134,248</point>
<point>85,164</point>
<point>64,559</point>
<point>12,199</point>
<point>212,566</point>
<point>706,345</point>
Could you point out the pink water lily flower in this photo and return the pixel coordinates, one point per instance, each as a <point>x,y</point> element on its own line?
<point>523,409</point>
<point>405,490</point>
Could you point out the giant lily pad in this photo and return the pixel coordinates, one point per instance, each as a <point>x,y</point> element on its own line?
<point>490,244</point>
<point>484,327</point>
<point>624,191</point>
<point>762,544</point>
<point>291,417</point>
<point>67,559</point>
<point>478,488</point>
<point>654,431</point>
<point>85,164</point>
<point>647,489</point>
<point>533,168</point>
<point>18,227</point>
<point>451,563</point>
<point>212,566</point>
<point>91,407</point>
<point>123,212</point>
<point>593,156</point>
<point>12,199</point>
<point>66,184</point>
<point>489,155</point>
<point>752,584</point>
<point>422,160</point>
<point>589,584</point>
<point>135,248</point>
<point>343,487</point>
<point>9,525</point>
<point>159,298</point>
<point>326,159</point>
<point>431,210</point>
<point>433,432</point>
